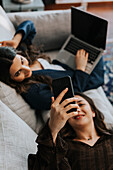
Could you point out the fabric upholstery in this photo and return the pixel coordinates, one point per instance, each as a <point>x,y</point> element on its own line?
<point>17,140</point>
<point>7,29</point>
<point>53,27</point>
<point>48,33</point>
<point>17,104</point>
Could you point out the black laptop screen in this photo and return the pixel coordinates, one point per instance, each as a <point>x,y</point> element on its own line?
<point>89,28</point>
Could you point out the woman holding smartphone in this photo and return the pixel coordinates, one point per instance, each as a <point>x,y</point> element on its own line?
<point>75,141</point>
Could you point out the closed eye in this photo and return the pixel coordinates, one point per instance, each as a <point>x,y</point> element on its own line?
<point>81,104</point>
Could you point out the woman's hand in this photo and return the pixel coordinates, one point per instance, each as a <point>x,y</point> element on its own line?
<point>58,114</point>
<point>81,59</point>
<point>10,43</point>
<point>14,42</point>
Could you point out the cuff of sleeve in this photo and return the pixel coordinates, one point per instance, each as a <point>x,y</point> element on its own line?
<point>61,148</point>
<point>28,29</point>
<point>81,73</point>
<point>47,147</point>
<point>81,80</point>
<point>45,137</point>
<point>22,30</point>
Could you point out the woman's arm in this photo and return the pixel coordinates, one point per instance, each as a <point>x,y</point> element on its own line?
<point>14,42</point>
<point>49,156</point>
<point>84,81</point>
<point>59,115</point>
<point>52,149</point>
<point>24,32</point>
<point>81,80</point>
<point>28,30</point>
<point>81,60</point>
<point>38,97</point>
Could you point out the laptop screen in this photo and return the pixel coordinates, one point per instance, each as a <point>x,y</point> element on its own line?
<point>88,28</point>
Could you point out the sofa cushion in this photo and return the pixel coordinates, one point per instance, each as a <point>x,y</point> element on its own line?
<point>7,29</point>
<point>52,28</point>
<point>17,104</point>
<point>17,140</point>
<point>52,54</point>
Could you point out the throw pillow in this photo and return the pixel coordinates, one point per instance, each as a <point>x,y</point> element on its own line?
<point>7,29</point>
<point>17,140</point>
<point>17,104</point>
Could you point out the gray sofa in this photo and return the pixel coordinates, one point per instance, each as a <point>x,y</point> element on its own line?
<point>18,124</point>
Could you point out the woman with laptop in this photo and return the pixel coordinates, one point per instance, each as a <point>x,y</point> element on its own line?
<point>31,72</point>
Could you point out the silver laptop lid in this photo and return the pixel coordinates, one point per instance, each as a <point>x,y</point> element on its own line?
<point>89,28</point>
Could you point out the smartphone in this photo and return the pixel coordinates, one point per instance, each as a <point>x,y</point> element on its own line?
<point>59,85</point>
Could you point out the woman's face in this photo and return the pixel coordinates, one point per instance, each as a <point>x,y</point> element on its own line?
<point>85,114</point>
<point>20,69</point>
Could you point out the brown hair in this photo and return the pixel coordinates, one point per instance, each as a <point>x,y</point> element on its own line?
<point>68,132</point>
<point>7,55</point>
<point>32,55</point>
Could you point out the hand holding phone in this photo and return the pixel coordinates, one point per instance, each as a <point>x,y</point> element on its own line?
<point>58,114</point>
<point>59,85</point>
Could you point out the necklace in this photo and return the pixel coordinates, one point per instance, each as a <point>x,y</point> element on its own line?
<point>86,139</point>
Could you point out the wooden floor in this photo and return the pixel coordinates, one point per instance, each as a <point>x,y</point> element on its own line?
<point>107,13</point>
<point>104,10</point>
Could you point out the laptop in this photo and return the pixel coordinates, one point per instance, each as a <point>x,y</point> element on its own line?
<point>88,32</point>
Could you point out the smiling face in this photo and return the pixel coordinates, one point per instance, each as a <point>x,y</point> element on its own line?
<point>20,69</point>
<point>85,114</point>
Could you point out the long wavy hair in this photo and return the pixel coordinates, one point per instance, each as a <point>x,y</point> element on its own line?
<point>68,132</point>
<point>32,55</point>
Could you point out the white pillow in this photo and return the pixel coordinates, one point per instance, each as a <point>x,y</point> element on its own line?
<point>17,104</point>
<point>102,103</point>
<point>17,140</point>
<point>7,29</point>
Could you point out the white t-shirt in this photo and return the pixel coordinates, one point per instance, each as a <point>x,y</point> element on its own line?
<point>47,65</point>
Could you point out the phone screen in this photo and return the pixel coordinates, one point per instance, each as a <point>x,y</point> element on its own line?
<point>60,84</point>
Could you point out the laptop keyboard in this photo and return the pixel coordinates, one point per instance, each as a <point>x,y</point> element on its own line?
<point>74,45</point>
